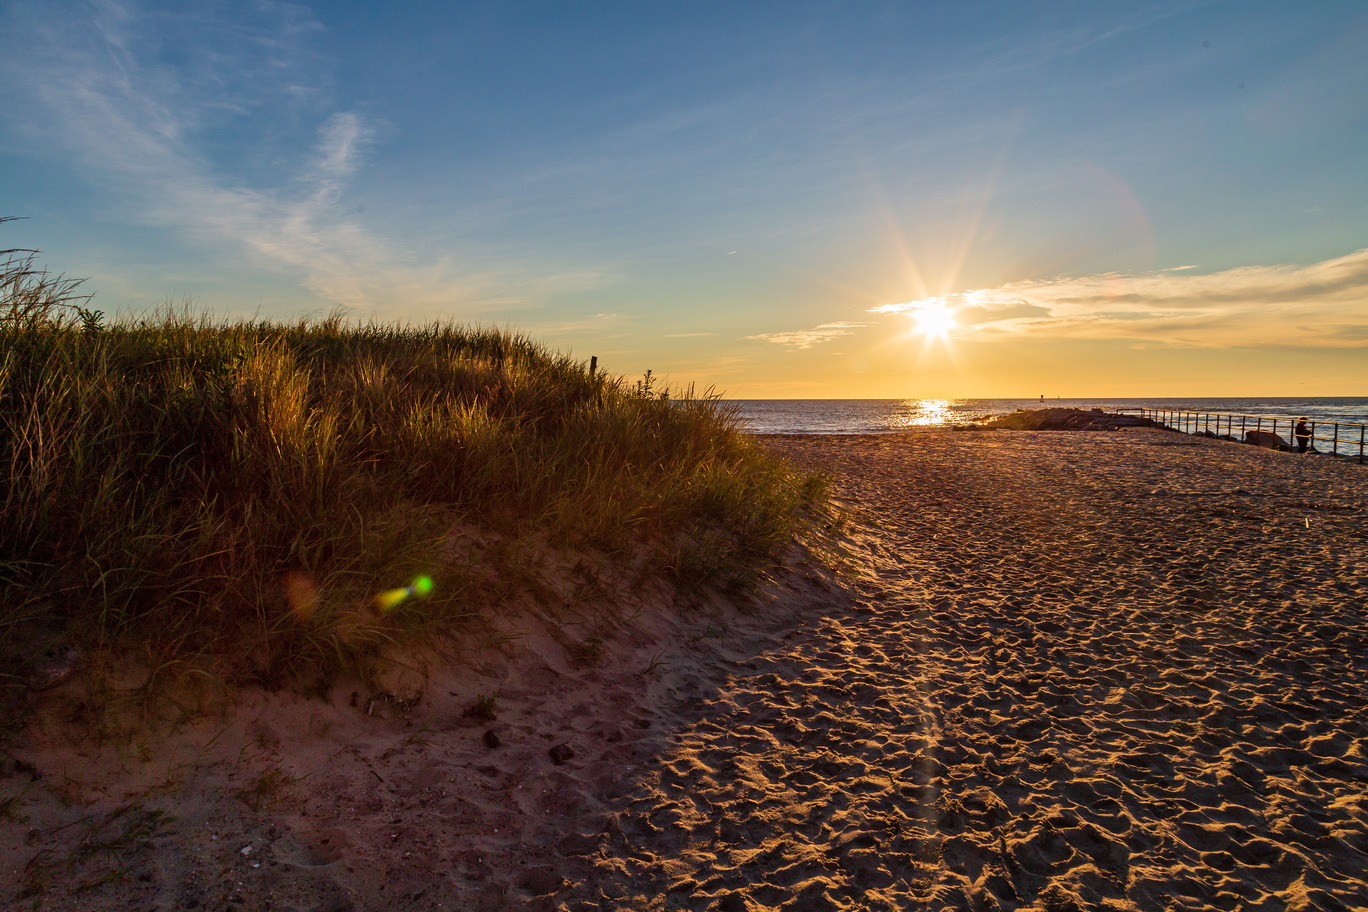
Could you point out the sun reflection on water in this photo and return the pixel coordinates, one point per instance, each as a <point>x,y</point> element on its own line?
<point>923,413</point>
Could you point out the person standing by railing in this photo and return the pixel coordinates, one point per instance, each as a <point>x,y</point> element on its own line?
<point>1302,434</point>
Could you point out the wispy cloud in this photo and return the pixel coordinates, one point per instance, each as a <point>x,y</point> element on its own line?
<point>806,338</point>
<point>1321,305</point>
<point>596,324</point>
<point>92,83</point>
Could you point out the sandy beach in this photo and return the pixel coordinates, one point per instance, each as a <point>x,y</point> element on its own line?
<point>1113,670</point>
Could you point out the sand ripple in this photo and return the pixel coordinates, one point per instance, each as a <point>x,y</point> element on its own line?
<point>1122,669</point>
<point>1067,671</point>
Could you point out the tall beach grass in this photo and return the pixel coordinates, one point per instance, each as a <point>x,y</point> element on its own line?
<point>248,491</point>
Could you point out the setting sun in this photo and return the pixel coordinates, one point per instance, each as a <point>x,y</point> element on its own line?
<point>934,319</point>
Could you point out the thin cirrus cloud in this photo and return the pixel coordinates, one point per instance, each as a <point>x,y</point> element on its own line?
<point>94,89</point>
<point>806,338</point>
<point>1321,305</point>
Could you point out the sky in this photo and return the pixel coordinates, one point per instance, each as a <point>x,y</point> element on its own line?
<point>769,200</point>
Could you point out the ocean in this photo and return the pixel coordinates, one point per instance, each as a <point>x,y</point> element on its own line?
<point>888,416</point>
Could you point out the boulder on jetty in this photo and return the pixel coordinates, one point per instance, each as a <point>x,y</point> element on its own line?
<point>1266,439</point>
<point>1065,419</point>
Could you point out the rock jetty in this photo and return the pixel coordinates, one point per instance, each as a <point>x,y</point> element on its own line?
<point>1065,419</point>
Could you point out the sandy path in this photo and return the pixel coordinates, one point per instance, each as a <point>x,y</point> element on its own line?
<point>1107,670</point>
<point>1122,669</point>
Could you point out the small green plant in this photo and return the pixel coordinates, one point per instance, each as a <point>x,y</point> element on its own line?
<point>652,665</point>
<point>703,634</point>
<point>10,805</point>
<point>104,854</point>
<point>587,654</point>
<point>266,787</point>
<point>482,710</point>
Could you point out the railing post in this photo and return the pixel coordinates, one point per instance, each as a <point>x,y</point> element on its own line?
<point>1201,421</point>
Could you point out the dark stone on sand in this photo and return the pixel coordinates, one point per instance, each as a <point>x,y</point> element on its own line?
<point>560,753</point>
<point>54,669</point>
<point>491,740</point>
<point>1066,419</point>
<point>1265,439</point>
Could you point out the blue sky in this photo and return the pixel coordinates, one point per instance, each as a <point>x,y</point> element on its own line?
<point>768,198</point>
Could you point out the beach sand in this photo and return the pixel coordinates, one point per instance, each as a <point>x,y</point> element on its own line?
<point>1116,670</point>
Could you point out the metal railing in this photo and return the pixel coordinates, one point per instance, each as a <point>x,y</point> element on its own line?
<point>1343,438</point>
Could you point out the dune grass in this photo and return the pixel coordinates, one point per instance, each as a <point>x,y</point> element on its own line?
<point>266,494</point>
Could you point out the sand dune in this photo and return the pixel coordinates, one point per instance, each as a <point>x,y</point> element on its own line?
<point>1066,671</point>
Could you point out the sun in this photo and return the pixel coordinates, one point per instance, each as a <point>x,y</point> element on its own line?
<point>934,320</point>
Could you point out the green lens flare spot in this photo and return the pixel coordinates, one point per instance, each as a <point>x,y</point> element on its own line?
<point>422,586</point>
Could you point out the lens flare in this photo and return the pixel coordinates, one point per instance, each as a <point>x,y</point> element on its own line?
<point>390,599</point>
<point>301,593</point>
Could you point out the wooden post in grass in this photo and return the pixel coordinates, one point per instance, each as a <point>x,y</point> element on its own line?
<point>593,364</point>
